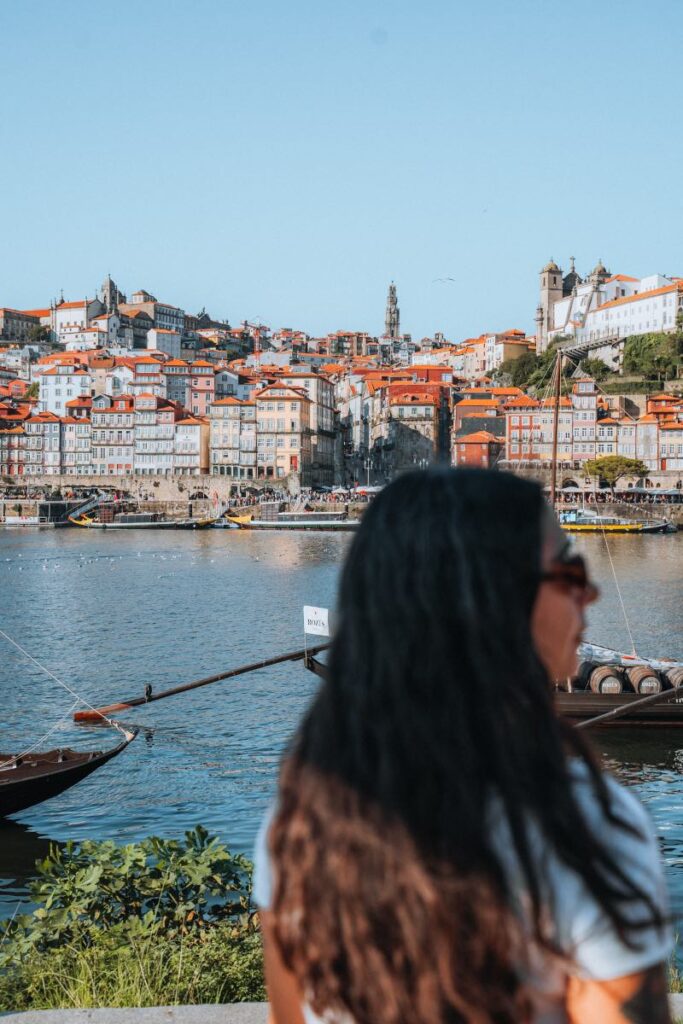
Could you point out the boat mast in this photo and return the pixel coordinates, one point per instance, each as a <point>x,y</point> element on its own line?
<point>556,424</point>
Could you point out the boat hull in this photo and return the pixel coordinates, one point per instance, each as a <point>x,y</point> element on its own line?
<point>581,705</point>
<point>324,524</point>
<point>615,528</point>
<point>40,777</point>
<point>163,525</point>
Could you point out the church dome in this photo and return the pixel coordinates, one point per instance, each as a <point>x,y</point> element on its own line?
<point>551,267</point>
<point>600,270</point>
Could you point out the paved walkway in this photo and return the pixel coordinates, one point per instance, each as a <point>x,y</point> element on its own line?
<point>233,1013</point>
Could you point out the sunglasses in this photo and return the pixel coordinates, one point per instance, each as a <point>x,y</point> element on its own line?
<point>570,573</point>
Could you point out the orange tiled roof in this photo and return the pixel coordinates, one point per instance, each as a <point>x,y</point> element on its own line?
<point>676,287</point>
<point>522,402</point>
<point>565,403</point>
<point>478,437</point>
<point>489,402</point>
<point>412,396</point>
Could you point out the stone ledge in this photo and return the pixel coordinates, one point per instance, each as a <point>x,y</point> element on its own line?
<point>230,1013</point>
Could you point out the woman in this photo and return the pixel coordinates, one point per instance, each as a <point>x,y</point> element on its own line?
<point>444,848</point>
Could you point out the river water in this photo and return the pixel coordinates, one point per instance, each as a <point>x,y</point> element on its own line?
<point>107,612</point>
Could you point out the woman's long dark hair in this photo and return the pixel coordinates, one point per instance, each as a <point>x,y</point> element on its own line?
<point>391,900</point>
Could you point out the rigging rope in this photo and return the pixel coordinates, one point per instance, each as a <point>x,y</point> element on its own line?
<point>614,573</point>
<point>577,364</point>
<point>38,743</point>
<point>69,689</point>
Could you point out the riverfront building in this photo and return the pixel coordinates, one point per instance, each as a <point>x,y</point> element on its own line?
<point>587,429</point>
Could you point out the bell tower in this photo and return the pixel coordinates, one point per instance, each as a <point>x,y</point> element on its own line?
<point>550,293</point>
<point>392,317</point>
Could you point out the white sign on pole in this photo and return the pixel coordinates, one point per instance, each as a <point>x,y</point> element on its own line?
<point>316,621</point>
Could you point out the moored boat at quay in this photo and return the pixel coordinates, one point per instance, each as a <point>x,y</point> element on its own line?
<point>608,681</point>
<point>583,521</point>
<point>140,521</point>
<point>337,521</point>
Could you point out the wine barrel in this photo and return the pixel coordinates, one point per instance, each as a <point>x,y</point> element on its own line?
<point>583,674</point>
<point>606,679</point>
<point>644,679</point>
<point>674,676</point>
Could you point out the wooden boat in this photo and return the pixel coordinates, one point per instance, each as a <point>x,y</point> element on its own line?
<point>303,521</point>
<point>317,524</point>
<point>28,780</point>
<point>141,521</point>
<point>583,704</point>
<point>583,521</point>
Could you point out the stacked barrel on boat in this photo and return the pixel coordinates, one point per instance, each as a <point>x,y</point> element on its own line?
<point>616,679</point>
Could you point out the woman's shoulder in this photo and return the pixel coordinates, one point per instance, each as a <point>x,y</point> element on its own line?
<point>262,879</point>
<point>624,828</point>
<point>623,802</point>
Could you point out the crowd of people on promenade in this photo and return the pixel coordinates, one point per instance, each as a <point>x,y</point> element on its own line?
<point>620,498</point>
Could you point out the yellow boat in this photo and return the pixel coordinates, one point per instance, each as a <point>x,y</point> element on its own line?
<point>580,521</point>
<point>82,521</point>
<point>240,520</point>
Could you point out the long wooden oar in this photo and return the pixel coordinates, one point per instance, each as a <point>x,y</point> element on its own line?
<point>97,714</point>
<point>635,705</point>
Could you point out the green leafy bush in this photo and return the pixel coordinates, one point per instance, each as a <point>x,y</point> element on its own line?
<point>157,922</point>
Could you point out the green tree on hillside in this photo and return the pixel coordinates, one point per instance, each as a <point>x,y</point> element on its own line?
<point>530,370</point>
<point>519,370</point>
<point>595,368</point>
<point>611,468</point>
<point>654,356</point>
<point>39,333</point>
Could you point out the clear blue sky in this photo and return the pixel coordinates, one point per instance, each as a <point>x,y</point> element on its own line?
<point>286,160</point>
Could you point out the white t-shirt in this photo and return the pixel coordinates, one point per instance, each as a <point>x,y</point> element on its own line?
<point>583,931</point>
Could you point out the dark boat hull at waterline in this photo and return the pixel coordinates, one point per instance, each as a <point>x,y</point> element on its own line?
<point>336,525</point>
<point>160,524</point>
<point>582,705</point>
<point>39,776</point>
